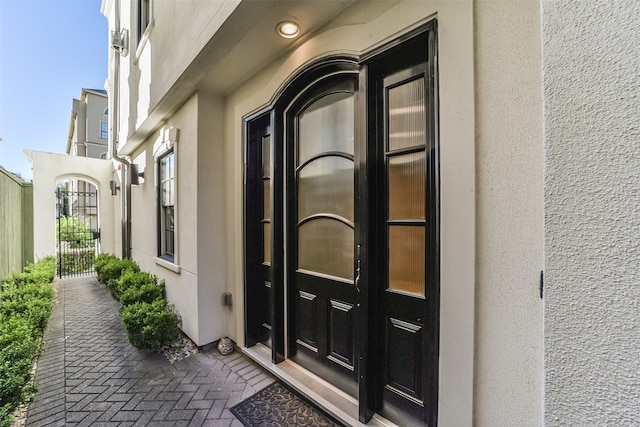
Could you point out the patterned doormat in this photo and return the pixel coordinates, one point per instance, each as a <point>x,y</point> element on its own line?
<point>276,405</point>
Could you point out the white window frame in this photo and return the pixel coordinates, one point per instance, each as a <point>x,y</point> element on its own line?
<point>106,125</point>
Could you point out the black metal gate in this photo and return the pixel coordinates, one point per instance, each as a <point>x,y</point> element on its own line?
<point>77,230</point>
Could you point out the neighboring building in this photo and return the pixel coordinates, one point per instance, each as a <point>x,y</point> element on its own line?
<point>88,137</point>
<point>378,195</point>
<point>89,125</point>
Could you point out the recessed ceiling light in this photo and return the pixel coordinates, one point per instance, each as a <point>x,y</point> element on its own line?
<point>288,29</point>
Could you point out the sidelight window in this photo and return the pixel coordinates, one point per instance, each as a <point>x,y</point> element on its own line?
<point>407,178</point>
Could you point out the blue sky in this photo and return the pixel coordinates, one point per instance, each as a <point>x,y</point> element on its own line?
<point>49,51</point>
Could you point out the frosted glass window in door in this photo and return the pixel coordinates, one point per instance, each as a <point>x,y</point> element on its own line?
<point>407,181</point>
<point>326,186</point>
<point>266,156</point>
<point>325,126</point>
<point>407,120</point>
<point>406,258</point>
<point>267,242</point>
<point>326,246</point>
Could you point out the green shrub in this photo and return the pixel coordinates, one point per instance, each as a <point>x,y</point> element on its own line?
<point>25,306</point>
<point>150,325</point>
<point>147,291</point>
<point>32,301</point>
<point>113,269</point>
<point>102,260</point>
<point>19,344</point>
<point>132,280</point>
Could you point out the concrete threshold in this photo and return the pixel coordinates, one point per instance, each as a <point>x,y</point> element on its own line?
<point>334,401</point>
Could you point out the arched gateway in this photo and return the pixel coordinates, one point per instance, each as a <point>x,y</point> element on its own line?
<point>87,195</point>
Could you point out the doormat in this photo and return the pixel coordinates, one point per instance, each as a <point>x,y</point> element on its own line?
<point>276,405</point>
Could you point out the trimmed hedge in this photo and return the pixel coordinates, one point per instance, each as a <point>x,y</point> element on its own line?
<point>26,300</point>
<point>148,319</point>
<point>144,292</point>
<point>150,325</point>
<point>110,268</point>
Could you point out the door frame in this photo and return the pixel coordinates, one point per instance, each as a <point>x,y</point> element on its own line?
<point>366,341</point>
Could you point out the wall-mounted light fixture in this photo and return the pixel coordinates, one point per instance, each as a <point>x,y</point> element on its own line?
<point>114,188</point>
<point>288,29</point>
<point>135,174</point>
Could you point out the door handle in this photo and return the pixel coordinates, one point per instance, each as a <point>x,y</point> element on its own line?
<point>357,280</point>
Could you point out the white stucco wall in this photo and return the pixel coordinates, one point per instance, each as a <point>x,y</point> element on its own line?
<point>509,246</point>
<point>181,281</point>
<point>591,69</point>
<point>197,280</point>
<point>49,169</point>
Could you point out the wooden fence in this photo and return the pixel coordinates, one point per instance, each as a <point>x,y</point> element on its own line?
<point>16,223</point>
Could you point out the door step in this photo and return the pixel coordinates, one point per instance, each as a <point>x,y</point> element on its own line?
<point>334,401</point>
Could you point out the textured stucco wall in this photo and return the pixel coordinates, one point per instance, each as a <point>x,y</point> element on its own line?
<point>591,75</point>
<point>509,247</point>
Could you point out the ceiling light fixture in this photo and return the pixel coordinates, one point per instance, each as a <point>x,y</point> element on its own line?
<point>288,29</point>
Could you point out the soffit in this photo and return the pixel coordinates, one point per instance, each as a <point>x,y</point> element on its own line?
<point>261,43</point>
<point>245,43</point>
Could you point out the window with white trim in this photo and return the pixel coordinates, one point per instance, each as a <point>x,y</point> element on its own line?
<point>166,206</point>
<point>104,130</point>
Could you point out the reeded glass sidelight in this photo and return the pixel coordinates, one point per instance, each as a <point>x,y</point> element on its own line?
<point>407,120</point>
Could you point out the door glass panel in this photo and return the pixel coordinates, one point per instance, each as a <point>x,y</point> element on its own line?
<point>266,198</point>
<point>326,246</point>
<point>326,186</point>
<point>267,242</point>
<point>406,258</point>
<point>407,180</point>
<point>266,194</point>
<point>326,125</point>
<point>266,156</point>
<point>407,121</point>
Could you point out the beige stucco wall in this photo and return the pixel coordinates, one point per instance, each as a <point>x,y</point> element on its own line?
<point>96,105</point>
<point>197,280</point>
<point>509,202</point>
<point>491,177</point>
<point>181,285</point>
<point>591,69</point>
<point>360,28</point>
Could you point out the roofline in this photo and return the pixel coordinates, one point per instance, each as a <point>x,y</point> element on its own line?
<point>98,92</point>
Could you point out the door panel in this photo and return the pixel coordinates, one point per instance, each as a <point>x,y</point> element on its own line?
<point>404,370</point>
<point>321,256</point>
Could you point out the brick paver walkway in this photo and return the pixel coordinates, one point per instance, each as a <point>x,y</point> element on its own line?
<point>89,373</point>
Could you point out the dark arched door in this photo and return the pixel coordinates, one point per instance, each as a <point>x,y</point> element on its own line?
<point>320,223</point>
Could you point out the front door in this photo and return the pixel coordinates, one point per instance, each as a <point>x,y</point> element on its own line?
<point>320,223</point>
<point>342,263</point>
